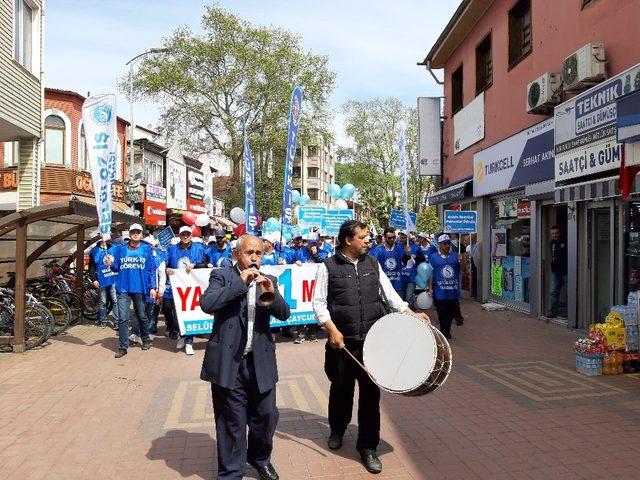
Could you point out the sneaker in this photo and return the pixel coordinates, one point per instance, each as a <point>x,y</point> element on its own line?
<point>133,338</point>
<point>146,345</point>
<point>299,340</point>
<point>174,336</point>
<point>121,353</point>
<point>180,343</point>
<point>188,349</point>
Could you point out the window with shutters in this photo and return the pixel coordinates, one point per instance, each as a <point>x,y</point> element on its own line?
<point>520,43</point>
<point>456,90</point>
<point>484,65</point>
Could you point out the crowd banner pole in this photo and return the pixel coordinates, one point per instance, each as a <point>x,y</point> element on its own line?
<point>409,226</point>
<point>250,208</point>
<point>99,119</point>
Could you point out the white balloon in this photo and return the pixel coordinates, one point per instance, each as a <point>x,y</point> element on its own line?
<point>424,301</point>
<point>202,220</point>
<point>237,215</point>
<point>341,205</point>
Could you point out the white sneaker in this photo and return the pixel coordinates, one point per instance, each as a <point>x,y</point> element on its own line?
<point>188,349</point>
<point>133,338</point>
<point>180,343</point>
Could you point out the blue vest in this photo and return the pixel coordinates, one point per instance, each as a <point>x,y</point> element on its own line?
<point>446,276</point>
<point>216,256</point>
<point>179,258</point>
<point>136,267</point>
<point>391,263</point>
<point>272,258</point>
<point>106,277</point>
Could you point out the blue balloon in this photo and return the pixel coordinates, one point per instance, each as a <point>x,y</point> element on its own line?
<point>424,270</point>
<point>273,223</point>
<point>304,199</point>
<point>334,190</point>
<point>421,283</point>
<point>295,196</point>
<point>347,191</point>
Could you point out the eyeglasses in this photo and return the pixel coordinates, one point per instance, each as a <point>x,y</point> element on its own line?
<point>391,238</point>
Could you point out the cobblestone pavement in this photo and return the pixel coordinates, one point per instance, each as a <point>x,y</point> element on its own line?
<point>513,407</point>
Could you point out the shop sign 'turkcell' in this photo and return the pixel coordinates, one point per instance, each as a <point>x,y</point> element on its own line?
<point>522,159</point>
<point>585,128</point>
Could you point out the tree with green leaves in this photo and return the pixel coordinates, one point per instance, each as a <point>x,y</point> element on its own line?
<point>209,82</point>
<point>371,164</point>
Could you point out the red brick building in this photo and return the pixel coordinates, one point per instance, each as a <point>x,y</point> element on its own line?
<point>64,171</point>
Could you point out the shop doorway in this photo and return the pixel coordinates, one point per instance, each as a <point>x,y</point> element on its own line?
<point>552,216</point>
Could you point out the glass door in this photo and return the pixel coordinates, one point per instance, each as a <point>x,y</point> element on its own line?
<point>600,263</point>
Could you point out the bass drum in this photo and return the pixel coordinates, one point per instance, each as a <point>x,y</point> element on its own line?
<point>404,355</point>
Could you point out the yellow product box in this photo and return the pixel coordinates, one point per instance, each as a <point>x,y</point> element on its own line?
<point>614,334</point>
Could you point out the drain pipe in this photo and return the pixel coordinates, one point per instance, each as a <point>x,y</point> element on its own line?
<point>427,65</point>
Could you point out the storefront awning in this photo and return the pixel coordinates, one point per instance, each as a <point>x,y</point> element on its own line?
<point>452,193</point>
<point>540,190</point>
<point>628,118</point>
<point>599,189</point>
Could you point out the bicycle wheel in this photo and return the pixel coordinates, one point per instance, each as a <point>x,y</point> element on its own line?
<point>61,313</point>
<point>90,304</point>
<point>74,302</point>
<point>6,325</point>
<point>37,325</point>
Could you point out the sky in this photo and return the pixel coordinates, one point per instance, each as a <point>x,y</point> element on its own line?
<point>373,46</point>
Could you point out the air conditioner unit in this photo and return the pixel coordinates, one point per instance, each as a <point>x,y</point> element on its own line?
<point>543,93</point>
<point>584,68</point>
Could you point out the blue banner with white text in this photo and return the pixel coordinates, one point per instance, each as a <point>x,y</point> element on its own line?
<point>292,139</point>
<point>250,209</point>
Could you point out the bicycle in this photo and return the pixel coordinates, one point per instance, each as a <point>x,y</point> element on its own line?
<point>38,320</point>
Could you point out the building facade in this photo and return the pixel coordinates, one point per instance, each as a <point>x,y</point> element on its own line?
<point>314,170</point>
<point>21,98</point>
<point>513,72</point>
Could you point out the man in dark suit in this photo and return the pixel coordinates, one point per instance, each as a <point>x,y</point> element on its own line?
<point>240,362</point>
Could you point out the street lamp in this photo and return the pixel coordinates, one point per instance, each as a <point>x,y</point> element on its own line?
<point>130,63</point>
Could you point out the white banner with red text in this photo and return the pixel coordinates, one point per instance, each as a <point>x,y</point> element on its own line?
<point>295,283</point>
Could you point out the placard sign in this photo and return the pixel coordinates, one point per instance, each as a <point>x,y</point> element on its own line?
<point>398,220</point>
<point>295,283</point>
<point>311,216</point>
<point>164,237</point>
<point>333,220</point>
<point>460,221</point>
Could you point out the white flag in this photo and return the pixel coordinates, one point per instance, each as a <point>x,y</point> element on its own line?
<point>99,119</point>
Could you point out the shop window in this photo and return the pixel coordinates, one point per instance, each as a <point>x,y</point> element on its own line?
<point>313,172</point>
<point>510,251</point>
<point>484,65</point>
<point>54,138</point>
<point>23,19</point>
<point>519,31</point>
<point>456,90</point>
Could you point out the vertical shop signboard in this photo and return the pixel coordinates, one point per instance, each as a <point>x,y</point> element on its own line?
<point>496,278</point>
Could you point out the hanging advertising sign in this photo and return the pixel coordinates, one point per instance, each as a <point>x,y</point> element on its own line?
<point>295,283</point>
<point>585,128</point>
<point>177,185</point>
<point>429,136</point>
<point>155,205</point>
<point>195,184</point>
<point>468,124</point>
<point>519,160</point>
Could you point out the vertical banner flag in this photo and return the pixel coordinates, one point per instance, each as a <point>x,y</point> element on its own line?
<point>292,139</point>
<point>250,209</point>
<point>403,172</point>
<point>99,119</point>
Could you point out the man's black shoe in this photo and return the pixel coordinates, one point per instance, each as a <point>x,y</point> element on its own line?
<point>459,321</point>
<point>174,336</point>
<point>371,461</point>
<point>335,441</point>
<point>121,352</point>
<point>267,472</point>
<point>146,345</point>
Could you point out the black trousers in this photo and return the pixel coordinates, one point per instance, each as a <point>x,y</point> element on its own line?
<point>170,318</point>
<point>447,311</point>
<point>343,373</point>
<point>236,408</point>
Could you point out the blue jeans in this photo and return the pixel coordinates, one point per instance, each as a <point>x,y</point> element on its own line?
<point>410,294</point>
<point>104,295</point>
<point>139,307</point>
<point>557,281</point>
<point>151,309</point>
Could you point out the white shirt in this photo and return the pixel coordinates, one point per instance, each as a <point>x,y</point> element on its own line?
<point>251,316</point>
<point>394,302</point>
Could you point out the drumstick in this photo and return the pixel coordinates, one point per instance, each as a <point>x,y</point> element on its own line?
<point>360,364</point>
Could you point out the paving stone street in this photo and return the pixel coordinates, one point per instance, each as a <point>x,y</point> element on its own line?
<point>513,407</point>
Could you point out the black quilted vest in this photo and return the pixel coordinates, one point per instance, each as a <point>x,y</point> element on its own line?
<point>353,298</point>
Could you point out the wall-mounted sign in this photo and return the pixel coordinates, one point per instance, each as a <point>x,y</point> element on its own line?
<point>155,193</point>
<point>195,184</point>
<point>524,210</point>
<point>429,136</point>
<point>522,159</point>
<point>585,128</point>
<point>176,185</point>
<point>196,206</point>
<point>83,185</point>
<point>468,124</point>
<point>155,213</point>
<point>9,179</point>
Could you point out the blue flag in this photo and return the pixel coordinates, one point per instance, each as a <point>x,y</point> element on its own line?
<point>292,139</point>
<point>250,209</point>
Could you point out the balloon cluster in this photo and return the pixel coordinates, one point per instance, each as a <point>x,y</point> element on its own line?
<point>196,222</point>
<point>346,192</point>
<point>301,200</point>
